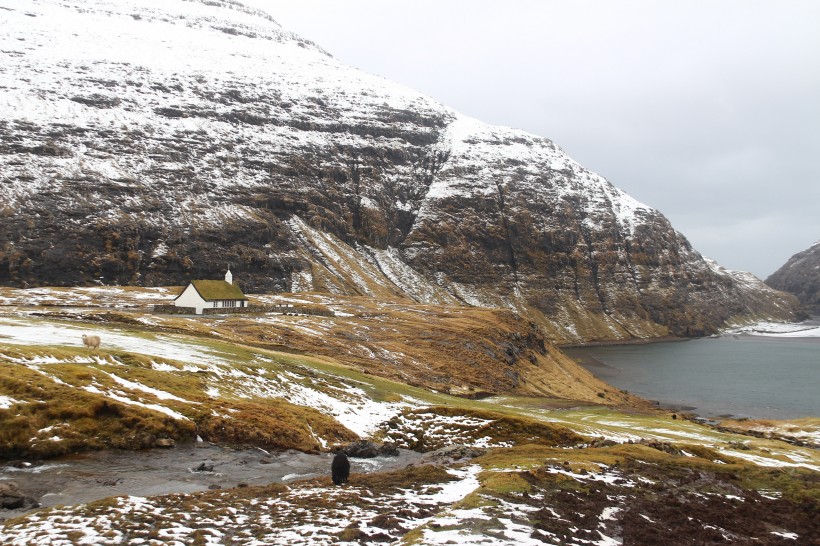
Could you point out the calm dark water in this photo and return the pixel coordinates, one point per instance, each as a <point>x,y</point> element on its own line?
<point>741,376</point>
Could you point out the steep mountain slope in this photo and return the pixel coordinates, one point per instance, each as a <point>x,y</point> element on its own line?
<point>148,142</point>
<point>801,277</point>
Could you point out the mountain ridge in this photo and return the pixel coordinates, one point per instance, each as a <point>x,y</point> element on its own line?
<point>800,276</point>
<point>179,137</point>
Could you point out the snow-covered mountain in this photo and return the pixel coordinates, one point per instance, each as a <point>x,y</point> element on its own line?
<point>150,141</point>
<point>801,277</point>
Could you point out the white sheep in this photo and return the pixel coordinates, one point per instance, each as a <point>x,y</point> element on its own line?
<point>92,342</point>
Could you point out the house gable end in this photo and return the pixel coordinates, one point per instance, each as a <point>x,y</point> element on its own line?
<point>190,289</point>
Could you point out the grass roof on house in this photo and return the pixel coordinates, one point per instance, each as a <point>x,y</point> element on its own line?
<point>218,290</point>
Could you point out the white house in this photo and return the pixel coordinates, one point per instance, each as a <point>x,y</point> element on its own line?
<point>206,294</point>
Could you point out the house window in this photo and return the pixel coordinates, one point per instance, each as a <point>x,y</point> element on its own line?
<point>229,303</point>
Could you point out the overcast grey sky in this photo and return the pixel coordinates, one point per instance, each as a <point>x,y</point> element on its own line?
<point>708,110</point>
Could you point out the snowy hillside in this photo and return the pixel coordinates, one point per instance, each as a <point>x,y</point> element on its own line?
<point>800,275</point>
<point>148,142</point>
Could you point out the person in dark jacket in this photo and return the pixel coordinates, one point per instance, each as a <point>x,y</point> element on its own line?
<point>340,468</point>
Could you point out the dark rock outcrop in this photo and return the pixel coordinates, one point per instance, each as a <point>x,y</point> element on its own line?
<point>364,449</point>
<point>11,498</point>
<point>452,454</point>
<point>253,147</point>
<point>801,276</point>
<point>207,466</point>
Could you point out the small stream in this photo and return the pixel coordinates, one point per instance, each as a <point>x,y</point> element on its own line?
<point>83,478</point>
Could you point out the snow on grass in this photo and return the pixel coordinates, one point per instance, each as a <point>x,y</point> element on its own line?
<point>605,475</point>
<point>212,392</point>
<point>451,530</point>
<point>366,417</point>
<point>163,367</point>
<point>351,406</point>
<point>626,428</point>
<point>306,513</point>
<point>44,333</point>
<point>339,258</point>
<point>771,461</point>
<point>121,397</point>
<point>162,395</point>
<point>807,433</point>
<point>440,430</point>
<point>659,433</point>
<point>450,492</point>
<point>391,264</point>
<point>621,427</point>
<point>7,402</point>
<point>498,522</point>
<point>609,513</point>
<point>502,521</point>
<point>107,296</point>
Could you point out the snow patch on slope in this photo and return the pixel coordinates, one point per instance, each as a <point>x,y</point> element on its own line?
<point>485,158</point>
<point>391,264</point>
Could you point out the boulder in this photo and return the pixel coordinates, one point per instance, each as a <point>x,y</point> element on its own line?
<point>11,498</point>
<point>451,454</point>
<point>207,466</point>
<point>365,449</point>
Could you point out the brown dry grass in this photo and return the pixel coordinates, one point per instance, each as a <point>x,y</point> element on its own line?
<point>58,406</point>
<point>432,428</point>
<point>82,420</point>
<point>466,351</point>
<point>806,429</point>
<point>271,424</point>
<point>797,484</point>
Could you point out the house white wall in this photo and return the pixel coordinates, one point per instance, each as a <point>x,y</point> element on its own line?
<point>191,298</point>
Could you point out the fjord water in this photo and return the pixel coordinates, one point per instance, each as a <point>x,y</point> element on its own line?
<point>735,375</point>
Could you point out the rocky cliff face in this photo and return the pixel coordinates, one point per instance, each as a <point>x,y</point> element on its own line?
<point>801,276</point>
<point>150,142</point>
